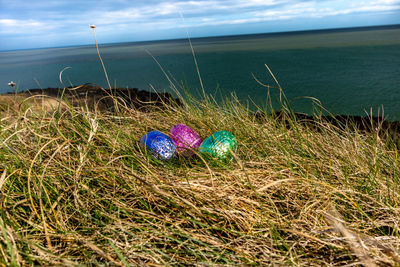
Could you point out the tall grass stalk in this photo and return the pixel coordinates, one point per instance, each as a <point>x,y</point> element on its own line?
<point>93,27</point>
<point>194,57</point>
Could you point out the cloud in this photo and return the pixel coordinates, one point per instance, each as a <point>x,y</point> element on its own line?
<point>120,12</point>
<point>21,26</point>
<point>313,10</point>
<point>70,18</point>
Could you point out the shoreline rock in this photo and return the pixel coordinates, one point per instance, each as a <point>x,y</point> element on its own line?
<point>93,95</point>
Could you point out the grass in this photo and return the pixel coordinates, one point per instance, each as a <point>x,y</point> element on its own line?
<point>76,188</point>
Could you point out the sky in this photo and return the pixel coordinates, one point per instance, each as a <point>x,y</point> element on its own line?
<point>44,23</point>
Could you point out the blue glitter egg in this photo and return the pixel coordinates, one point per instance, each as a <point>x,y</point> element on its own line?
<point>159,145</point>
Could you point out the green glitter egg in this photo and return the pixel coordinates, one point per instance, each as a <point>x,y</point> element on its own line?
<point>219,145</point>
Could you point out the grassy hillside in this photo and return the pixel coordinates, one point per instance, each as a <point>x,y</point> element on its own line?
<point>77,188</point>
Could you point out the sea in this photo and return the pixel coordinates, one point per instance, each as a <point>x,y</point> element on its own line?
<point>352,71</point>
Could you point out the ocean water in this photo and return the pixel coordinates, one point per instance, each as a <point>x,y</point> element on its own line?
<point>350,71</point>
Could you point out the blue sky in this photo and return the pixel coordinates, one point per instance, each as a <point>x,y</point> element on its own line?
<point>41,23</point>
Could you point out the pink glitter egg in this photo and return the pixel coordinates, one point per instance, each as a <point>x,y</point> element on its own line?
<point>185,138</point>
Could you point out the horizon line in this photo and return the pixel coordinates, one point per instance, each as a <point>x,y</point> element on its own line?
<point>322,30</point>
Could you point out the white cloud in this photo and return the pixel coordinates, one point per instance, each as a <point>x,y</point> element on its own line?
<point>69,18</point>
<point>311,9</point>
<point>18,26</point>
<point>20,23</point>
<point>227,11</point>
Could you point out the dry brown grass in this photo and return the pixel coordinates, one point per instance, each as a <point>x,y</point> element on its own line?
<point>76,188</point>
<point>37,103</point>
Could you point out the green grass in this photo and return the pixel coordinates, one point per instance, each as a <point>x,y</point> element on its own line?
<point>76,188</point>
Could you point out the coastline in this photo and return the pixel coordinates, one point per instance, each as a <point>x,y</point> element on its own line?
<point>95,97</point>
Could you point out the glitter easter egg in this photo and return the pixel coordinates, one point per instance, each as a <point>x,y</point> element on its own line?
<point>159,145</point>
<point>219,145</point>
<point>185,138</point>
